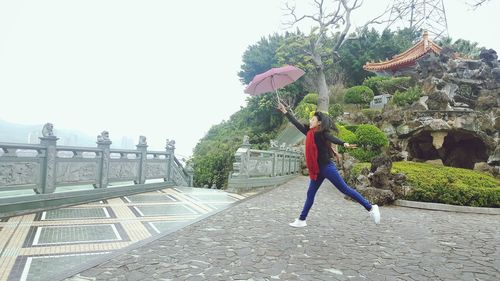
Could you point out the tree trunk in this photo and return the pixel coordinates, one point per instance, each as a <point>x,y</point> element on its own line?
<point>323,97</point>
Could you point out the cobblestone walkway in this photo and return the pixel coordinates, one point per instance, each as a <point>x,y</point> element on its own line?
<point>38,246</point>
<point>252,241</point>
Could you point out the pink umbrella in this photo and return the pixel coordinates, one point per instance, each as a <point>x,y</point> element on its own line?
<point>273,79</point>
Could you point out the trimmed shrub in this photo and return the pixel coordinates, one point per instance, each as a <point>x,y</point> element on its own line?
<point>360,95</point>
<point>373,82</point>
<point>352,128</point>
<point>387,85</point>
<point>311,98</point>
<point>407,97</point>
<point>346,135</point>
<point>304,110</point>
<point>363,154</point>
<point>370,136</point>
<point>448,185</point>
<point>335,110</point>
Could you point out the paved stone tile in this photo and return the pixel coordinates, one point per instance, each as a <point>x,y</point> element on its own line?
<point>68,236</point>
<point>75,213</point>
<point>76,234</point>
<point>252,241</point>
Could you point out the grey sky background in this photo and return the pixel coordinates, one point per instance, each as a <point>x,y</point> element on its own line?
<point>163,69</point>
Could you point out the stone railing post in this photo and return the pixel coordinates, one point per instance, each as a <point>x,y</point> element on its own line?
<point>142,147</point>
<point>274,149</point>
<point>283,156</point>
<point>170,148</point>
<point>48,168</point>
<point>240,165</point>
<point>103,143</point>
<point>190,172</point>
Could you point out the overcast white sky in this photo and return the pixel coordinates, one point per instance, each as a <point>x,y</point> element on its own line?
<point>163,69</point>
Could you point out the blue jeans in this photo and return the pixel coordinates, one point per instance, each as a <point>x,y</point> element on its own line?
<point>330,172</point>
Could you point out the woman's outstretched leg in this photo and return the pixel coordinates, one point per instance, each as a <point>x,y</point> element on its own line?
<point>331,173</point>
<point>311,193</point>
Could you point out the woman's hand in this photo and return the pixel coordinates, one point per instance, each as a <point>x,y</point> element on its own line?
<point>282,108</point>
<point>347,145</point>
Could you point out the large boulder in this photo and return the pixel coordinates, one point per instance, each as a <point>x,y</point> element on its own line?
<point>489,56</point>
<point>377,196</point>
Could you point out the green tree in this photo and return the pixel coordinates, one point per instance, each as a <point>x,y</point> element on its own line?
<point>370,45</point>
<point>464,47</point>
<point>260,57</point>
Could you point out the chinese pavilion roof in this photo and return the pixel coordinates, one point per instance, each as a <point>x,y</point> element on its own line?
<point>407,58</point>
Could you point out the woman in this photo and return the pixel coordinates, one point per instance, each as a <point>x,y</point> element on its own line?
<point>320,165</point>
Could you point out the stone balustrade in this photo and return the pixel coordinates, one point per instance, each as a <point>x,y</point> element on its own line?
<point>256,168</point>
<point>46,167</point>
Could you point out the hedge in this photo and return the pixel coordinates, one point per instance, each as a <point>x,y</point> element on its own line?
<point>448,185</point>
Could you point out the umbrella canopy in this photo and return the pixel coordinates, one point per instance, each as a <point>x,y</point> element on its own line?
<point>273,79</point>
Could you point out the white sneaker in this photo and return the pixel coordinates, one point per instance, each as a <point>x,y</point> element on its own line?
<point>298,223</point>
<point>375,214</point>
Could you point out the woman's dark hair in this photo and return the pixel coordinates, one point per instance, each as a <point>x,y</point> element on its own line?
<point>326,122</point>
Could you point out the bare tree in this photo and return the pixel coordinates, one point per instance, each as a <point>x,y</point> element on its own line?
<point>476,3</point>
<point>330,16</point>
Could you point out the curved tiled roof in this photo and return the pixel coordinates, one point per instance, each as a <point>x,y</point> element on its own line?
<point>406,58</point>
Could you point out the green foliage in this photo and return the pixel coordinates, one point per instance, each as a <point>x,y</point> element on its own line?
<point>439,184</point>
<point>335,110</point>
<point>370,136</point>
<point>387,85</point>
<point>213,166</point>
<point>311,98</point>
<point>298,48</point>
<point>373,82</point>
<point>346,135</point>
<point>352,128</point>
<point>363,154</point>
<point>360,95</point>
<point>370,45</point>
<point>407,97</point>
<point>448,185</point>
<point>213,156</point>
<point>304,109</point>
<point>358,167</point>
<point>371,113</point>
<point>260,57</point>
<point>464,47</point>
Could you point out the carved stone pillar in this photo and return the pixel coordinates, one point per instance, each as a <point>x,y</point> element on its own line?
<point>170,148</point>
<point>48,168</point>
<point>241,156</point>
<point>274,148</point>
<point>190,172</point>
<point>103,143</point>
<point>142,147</point>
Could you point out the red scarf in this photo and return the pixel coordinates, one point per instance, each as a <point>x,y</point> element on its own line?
<point>312,155</point>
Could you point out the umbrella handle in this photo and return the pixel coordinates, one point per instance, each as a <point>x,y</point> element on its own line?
<point>277,96</point>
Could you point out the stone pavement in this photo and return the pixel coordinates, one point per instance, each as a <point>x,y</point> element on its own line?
<point>37,246</point>
<point>252,241</point>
